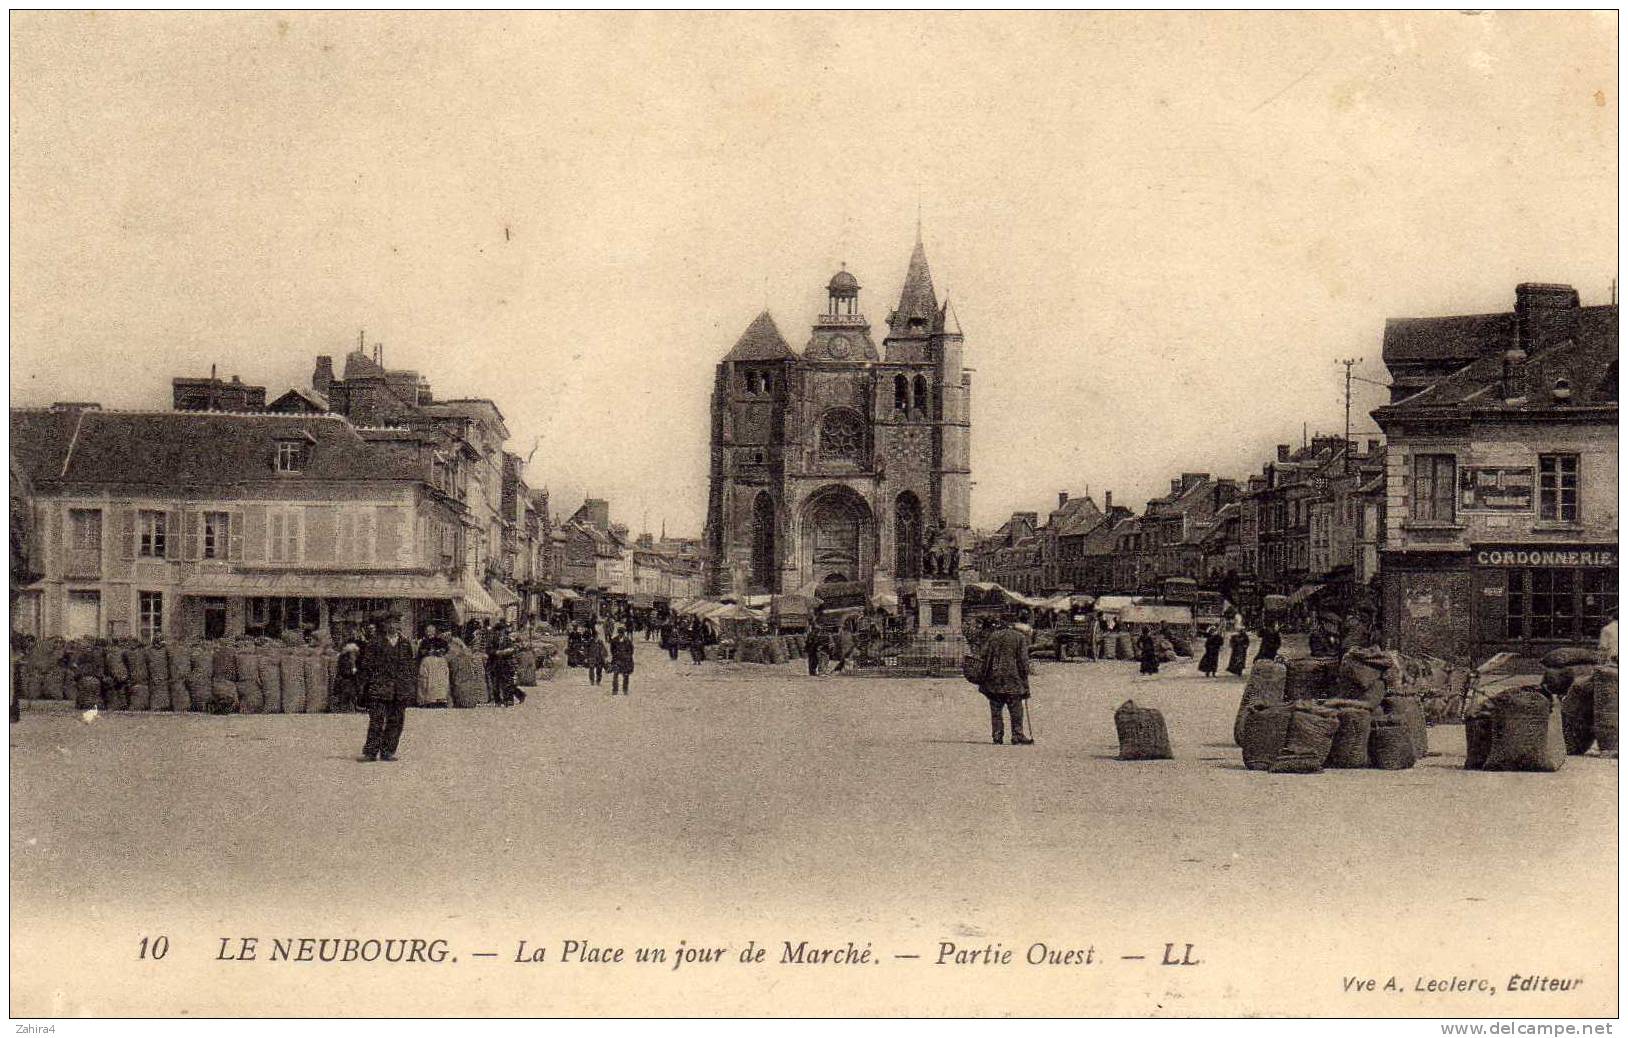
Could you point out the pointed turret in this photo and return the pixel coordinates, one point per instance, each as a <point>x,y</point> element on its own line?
<point>761,341</point>
<point>918,305</point>
<point>946,324</point>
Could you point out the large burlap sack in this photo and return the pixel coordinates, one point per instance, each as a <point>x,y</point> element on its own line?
<point>1410,713</point>
<point>1122,646</point>
<point>1577,719</point>
<point>87,659</point>
<point>201,679</point>
<point>1571,656</point>
<point>1308,678</point>
<point>271,681</point>
<point>468,680</point>
<point>291,672</point>
<point>1308,741</point>
<point>225,665</point>
<point>316,683</point>
<point>1478,729</point>
<point>180,696</point>
<point>434,681</point>
<point>114,666</point>
<point>87,692</point>
<point>1266,728</point>
<point>1265,685</point>
<point>135,661</point>
<point>158,693</point>
<point>525,667</point>
<point>777,651</point>
<point>1350,748</point>
<point>140,698</point>
<point>1603,684</point>
<point>1390,746</point>
<point>180,661</point>
<point>1360,679</point>
<point>251,696</point>
<point>1527,734</point>
<point>158,672</point>
<point>1142,733</point>
<point>114,697</point>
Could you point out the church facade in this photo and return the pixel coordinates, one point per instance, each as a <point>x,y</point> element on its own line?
<point>839,463</point>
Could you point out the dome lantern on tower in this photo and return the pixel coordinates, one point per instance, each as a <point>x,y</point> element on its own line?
<point>843,294</point>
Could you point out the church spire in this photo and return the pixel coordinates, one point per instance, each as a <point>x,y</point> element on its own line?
<point>918,304</point>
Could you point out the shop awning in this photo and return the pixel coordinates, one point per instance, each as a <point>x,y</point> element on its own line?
<point>560,596</point>
<point>1304,592</point>
<point>1115,603</point>
<point>1156,614</point>
<point>323,585</point>
<point>501,595</point>
<point>476,602</point>
<point>640,600</point>
<point>756,601</point>
<point>888,601</point>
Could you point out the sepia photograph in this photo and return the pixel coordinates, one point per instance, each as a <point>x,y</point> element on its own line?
<point>861,514</point>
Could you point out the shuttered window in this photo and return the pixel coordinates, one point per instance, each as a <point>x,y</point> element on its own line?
<point>1435,481</point>
<point>153,533</point>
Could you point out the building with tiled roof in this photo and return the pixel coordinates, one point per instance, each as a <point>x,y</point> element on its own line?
<point>1501,487</point>
<point>209,524</point>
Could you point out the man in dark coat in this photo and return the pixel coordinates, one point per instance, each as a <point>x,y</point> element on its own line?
<point>1211,661</point>
<point>844,647</point>
<point>1240,653</point>
<point>1004,681</point>
<point>621,660</point>
<point>1147,650</point>
<point>501,654</point>
<point>813,643</point>
<point>389,672</point>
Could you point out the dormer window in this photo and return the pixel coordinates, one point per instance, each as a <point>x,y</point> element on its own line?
<point>290,455</point>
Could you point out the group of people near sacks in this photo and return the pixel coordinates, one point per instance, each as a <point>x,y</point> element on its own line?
<point>380,669</point>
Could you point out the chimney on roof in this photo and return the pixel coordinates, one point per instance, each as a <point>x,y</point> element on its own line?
<point>322,379</point>
<point>1283,452</point>
<point>1107,500</point>
<point>1062,498</point>
<point>1544,314</point>
<point>1175,486</point>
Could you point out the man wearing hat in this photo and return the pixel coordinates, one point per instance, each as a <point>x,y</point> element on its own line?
<point>388,668</point>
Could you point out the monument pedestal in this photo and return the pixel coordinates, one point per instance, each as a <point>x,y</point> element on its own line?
<point>937,644</point>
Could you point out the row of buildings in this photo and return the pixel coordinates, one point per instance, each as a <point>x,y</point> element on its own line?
<point>228,515</point>
<point>1484,521</point>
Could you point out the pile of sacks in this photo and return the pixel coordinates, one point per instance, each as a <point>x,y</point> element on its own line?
<point>1301,716</point>
<point>220,677</point>
<point>767,649</point>
<point>1587,689</point>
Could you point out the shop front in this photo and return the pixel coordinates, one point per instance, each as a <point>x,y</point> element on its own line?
<point>1525,599</point>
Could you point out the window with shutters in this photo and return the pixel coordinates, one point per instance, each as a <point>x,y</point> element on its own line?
<point>216,534</point>
<point>151,615</point>
<point>1557,488</point>
<point>283,536</point>
<point>1435,480</point>
<point>152,534</point>
<point>84,542</point>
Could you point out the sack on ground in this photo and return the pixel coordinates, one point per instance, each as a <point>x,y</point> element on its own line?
<point>1577,719</point>
<point>180,697</point>
<point>1361,679</point>
<point>1266,728</point>
<point>1410,713</point>
<point>1307,678</point>
<point>225,665</point>
<point>1265,685</point>
<point>158,697</point>
<point>251,697</point>
<point>115,697</point>
<point>140,698</point>
<point>117,670</point>
<point>271,681</point>
<point>1310,737</point>
<point>87,693</point>
<point>1350,749</point>
<point>180,661</point>
<point>1142,733</point>
<point>1571,656</point>
<point>158,667</point>
<point>135,661</point>
<point>1527,735</point>
<point>1390,746</point>
<point>525,667</point>
<point>1287,763</point>
<point>291,671</point>
<point>467,680</point>
<point>316,683</point>
<point>1478,730</point>
<point>1603,684</point>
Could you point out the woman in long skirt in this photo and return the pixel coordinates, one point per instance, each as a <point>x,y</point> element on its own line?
<point>1147,650</point>
<point>1211,661</point>
<point>1240,653</point>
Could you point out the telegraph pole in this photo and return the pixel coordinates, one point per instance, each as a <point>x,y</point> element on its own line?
<point>1348,362</point>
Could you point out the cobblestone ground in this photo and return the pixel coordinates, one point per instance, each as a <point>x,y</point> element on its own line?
<point>726,803</point>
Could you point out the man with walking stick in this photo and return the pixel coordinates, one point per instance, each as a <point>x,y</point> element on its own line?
<point>1003,677</point>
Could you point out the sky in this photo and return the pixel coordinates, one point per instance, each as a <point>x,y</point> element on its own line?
<point>1161,233</point>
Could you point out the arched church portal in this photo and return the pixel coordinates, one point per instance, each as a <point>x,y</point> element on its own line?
<point>838,537</point>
